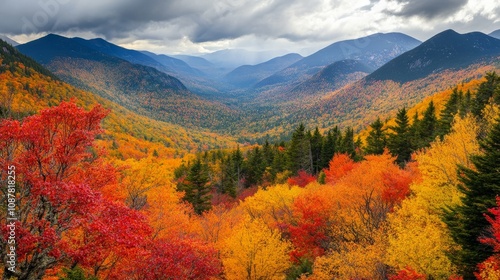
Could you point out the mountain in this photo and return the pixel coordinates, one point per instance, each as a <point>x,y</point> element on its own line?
<point>374,51</point>
<point>233,58</point>
<point>9,40</point>
<point>126,134</point>
<point>495,34</point>
<point>247,75</point>
<point>446,50</point>
<point>143,89</point>
<point>174,65</point>
<point>450,59</point>
<point>195,61</point>
<point>334,76</point>
<point>113,50</point>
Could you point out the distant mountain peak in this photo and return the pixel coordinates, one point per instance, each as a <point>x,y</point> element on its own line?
<point>446,50</point>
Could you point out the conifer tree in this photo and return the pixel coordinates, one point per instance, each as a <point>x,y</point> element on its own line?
<point>399,143</point>
<point>377,138</point>
<point>485,91</point>
<point>316,145</point>
<point>348,146</point>
<point>480,187</point>
<point>448,113</point>
<point>426,128</point>
<point>229,176</point>
<point>196,187</point>
<point>299,155</point>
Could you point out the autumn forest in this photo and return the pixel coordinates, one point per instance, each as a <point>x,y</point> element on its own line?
<point>111,178</point>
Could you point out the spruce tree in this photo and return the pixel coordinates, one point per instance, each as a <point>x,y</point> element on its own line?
<point>399,143</point>
<point>377,138</point>
<point>485,91</point>
<point>426,128</point>
<point>480,187</point>
<point>299,155</point>
<point>196,187</point>
<point>316,145</point>
<point>229,176</point>
<point>348,145</point>
<point>448,113</point>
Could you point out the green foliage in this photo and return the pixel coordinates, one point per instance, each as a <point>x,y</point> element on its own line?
<point>425,130</point>
<point>76,273</point>
<point>399,142</point>
<point>377,138</point>
<point>480,187</point>
<point>303,267</point>
<point>299,156</point>
<point>486,91</point>
<point>196,187</point>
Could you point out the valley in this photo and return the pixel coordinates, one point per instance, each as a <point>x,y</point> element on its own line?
<point>370,158</point>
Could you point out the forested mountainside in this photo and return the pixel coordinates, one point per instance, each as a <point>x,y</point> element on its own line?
<point>344,173</point>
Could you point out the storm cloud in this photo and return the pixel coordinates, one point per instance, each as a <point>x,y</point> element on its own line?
<point>429,8</point>
<point>213,24</point>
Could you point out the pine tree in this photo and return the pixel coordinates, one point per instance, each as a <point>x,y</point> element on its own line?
<point>237,158</point>
<point>485,91</point>
<point>448,113</point>
<point>196,187</point>
<point>299,155</point>
<point>399,143</point>
<point>377,138</point>
<point>254,168</point>
<point>426,128</point>
<point>348,146</point>
<point>480,187</point>
<point>229,176</point>
<point>316,145</point>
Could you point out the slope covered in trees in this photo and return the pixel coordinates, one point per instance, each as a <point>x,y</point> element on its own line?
<point>101,196</point>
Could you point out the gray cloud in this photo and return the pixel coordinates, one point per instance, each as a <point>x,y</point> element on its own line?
<point>211,23</point>
<point>429,9</point>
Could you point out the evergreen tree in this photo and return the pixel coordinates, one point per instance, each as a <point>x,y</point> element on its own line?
<point>268,153</point>
<point>279,161</point>
<point>348,145</point>
<point>399,143</point>
<point>448,113</point>
<point>229,176</point>
<point>254,168</point>
<point>485,91</point>
<point>426,129</point>
<point>196,187</point>
<point>299,155</point>
<point>316,145</point>
<point>237,158</point>
<point>377,138</point>
<point>480,187</point>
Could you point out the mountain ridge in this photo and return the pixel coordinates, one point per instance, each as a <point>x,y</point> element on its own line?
<point>373,50</point>
<point>445,50</point>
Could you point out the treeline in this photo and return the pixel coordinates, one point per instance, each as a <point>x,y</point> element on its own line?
<point>309,152</point>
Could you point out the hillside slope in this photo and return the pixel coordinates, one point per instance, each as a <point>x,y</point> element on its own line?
<point>140,88</point>
<point>26,87</point>
<point>373,50</point>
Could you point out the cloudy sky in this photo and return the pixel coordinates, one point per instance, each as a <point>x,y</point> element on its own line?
<point>198,26</point>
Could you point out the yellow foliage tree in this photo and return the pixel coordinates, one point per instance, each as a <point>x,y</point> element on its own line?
<point>255,251</point>
<point>417,237</point>
<point>273,205</point>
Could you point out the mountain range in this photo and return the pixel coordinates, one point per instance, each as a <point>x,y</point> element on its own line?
<point>97,66</point>
<point>378,73</point>
<point>374,51</point>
